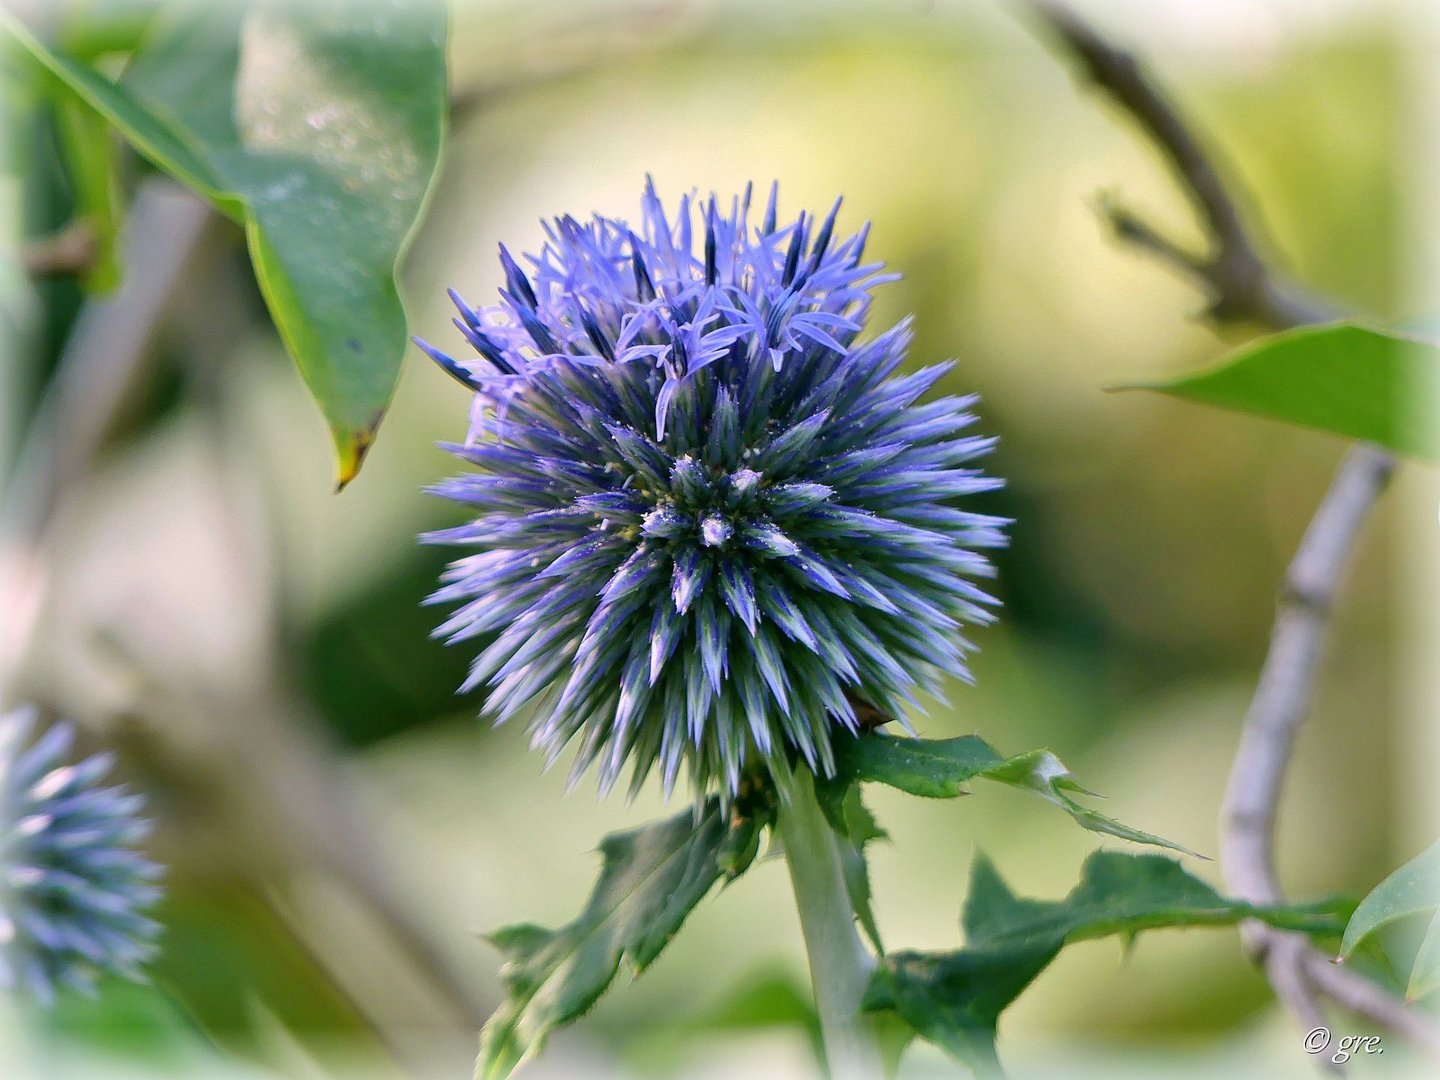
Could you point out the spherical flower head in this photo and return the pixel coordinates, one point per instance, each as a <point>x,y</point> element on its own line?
<point>714,524</point>
<point>73,887</point>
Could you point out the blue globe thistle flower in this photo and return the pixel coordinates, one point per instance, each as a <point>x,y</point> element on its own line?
<point>72,884</point>
<point>713,524</point>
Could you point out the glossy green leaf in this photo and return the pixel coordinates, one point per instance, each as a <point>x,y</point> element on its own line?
<point>318,127</point>
<point>954,999</point>
<point>941,768</point>
<point>1414,889</point>
<point>1347,379</point>
<point>650,879</point>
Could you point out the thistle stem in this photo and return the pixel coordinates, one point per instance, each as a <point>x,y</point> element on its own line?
<point>840,965</point>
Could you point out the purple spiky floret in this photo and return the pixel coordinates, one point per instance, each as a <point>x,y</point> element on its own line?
<point>74,886</point>
<point>710,518</point>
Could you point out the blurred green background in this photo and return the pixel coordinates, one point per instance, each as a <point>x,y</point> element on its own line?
<point>340,825</point>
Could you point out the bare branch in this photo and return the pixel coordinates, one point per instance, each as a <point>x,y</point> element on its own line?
<point>67,253</point>
<point>1287,678</point>
<point>1240,283</point>
<point>1284,966</point>
<point>1363,998</point>
<point>1135,230</point>
<point>1242,286</point>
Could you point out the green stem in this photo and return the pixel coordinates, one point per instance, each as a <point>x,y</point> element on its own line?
<point>840,965</point>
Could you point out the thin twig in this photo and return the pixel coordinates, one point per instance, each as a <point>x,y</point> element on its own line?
<point>67,253</point>
<point>1240,283</point>
<point>1242,287</point>
<point>1364,998</point>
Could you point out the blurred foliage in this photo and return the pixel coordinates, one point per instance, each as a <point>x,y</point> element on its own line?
<point>1148,534</point>
<point>768,1000</point>
<point>49,202</point>
<point>234,963</point>
<point>372,667</point>
<point>87,149</point>
<point>137,1023</point>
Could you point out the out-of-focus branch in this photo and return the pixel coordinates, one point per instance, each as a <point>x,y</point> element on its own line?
<point>102,365</point>
<point>1287,679</point>
<point>66,253</point>
<point>1240,283</point>
<point>104,358</point>
<point>1364,998</point>
<point>1242,287</point>
<point>1277,711</point>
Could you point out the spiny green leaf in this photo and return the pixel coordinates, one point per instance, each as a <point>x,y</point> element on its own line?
<point>1043,773</point>
<point>860,827</point>
<point>650,879</point>
<point>940,768</point>
<point>317,127</point>
<point>954,999</point>
<point>1351,380</point>
<point>1411,890</point>
<point>1120,892</point>
<point>934,768</point>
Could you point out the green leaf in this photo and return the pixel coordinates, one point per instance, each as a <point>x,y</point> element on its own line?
<point>859,827</point>
<point>1425,972</point>
<point>954,999</point>
<point>1347,379</point>
<point>940,768</point>
<point>90,157</point>
<point>650,879</point>
<point>318,128</point>
<point>1411,890</point>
